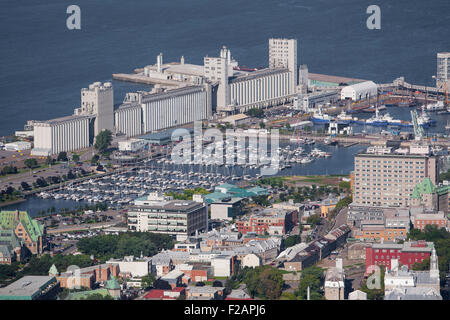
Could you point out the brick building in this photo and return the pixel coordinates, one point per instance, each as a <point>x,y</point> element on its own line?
<point>272,221</point>
<point>407,253</point>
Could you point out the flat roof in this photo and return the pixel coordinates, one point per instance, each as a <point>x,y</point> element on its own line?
<point>64,119</point>
<point>162,135</point>
<point>235,117</point>
<point>26,288</point>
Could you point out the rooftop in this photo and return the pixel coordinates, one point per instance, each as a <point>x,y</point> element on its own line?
<point>27,288</point>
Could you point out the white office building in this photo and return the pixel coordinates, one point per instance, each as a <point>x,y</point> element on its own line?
<point>160,214</point>
<point>283,54</point>
<point>443,70</point>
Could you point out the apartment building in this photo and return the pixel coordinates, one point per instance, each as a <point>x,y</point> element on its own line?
<point>390,179</point>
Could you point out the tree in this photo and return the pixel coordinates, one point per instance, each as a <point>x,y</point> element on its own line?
<point>75,157</point>
<point>292,241</point>
<point>62,156</point>
<point>257,113</point>
<point>103,140</point>
<point>262,125</point>
<point>314,219</point>
<point>95,159</point>
<point>265,282</point>
<point>31,163</point>
<point>147,281</point>
<point>311,277</point>
<point>217,283</point>
<point>70,175</point>
<point>25,186</point>
<point>97,296</point>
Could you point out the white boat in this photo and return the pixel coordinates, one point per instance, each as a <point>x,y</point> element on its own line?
<point>437,106</point>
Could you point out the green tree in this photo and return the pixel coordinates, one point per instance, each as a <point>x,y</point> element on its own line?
<point>75,157</point>
<point>31,163</point>
<point>311,277</point>
<point>62,156</point>
<point>103,141</point>
<point>147,281</point>
<point>292,241</point>
<point>314,219</point>
<point>265,282</point>
<point>97,296</point>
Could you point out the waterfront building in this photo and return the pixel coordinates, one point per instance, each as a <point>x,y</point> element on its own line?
<point>236,119</point>
<point>217,71</point>
<point>443,70</point>
<point>175,71</point>
<point>175,107</point>
<point>160,214</point>
<point>61,134</point>
<point>407,253</point>
<point>359,91</point>
<point>77,131</point>
<point>28,230</point>
<point>335,282</point>
<point>31,288</point>
<point>390,179</point>
<point>132,145</point>
<point>283,54</point>
<point>128,119</point>
<point>98,100</point>
<point>260,89</point>
<point>18,146</point>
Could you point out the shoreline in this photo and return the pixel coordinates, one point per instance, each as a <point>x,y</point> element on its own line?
<point>2,205</point>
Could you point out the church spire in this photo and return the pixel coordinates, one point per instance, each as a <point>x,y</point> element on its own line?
<point>434,267</point>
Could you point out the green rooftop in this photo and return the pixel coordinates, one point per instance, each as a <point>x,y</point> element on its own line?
<point>33,228</point>
<point>424,187</point>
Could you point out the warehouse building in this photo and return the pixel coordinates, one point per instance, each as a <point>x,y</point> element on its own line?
<point>61,134</point>
<point>77,131</point>
<point>359,91</point>
<point>175,107</point>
